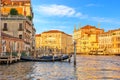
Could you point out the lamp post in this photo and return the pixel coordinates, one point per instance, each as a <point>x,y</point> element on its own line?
<point>74,42</point>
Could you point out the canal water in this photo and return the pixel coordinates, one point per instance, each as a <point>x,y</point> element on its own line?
<point>87,68</point>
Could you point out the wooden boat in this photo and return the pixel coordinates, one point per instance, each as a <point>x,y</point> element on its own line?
<point>46,58</point>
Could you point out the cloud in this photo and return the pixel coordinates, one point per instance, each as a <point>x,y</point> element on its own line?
<point>36,20</point>
<point>58,10</point>
<point>92,5</point>
<point>66,11</point>
<point>101,19</point>
<point>105,20</point>
<point>60,27</point>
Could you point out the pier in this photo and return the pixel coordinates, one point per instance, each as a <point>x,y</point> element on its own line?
<point>9,59</point>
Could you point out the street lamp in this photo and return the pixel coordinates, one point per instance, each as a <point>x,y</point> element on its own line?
<point>74,43</point>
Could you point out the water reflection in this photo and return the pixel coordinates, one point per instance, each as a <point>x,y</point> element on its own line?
<point>17,71</point>
<point>87,68</point>
<point>53,71</point>
<point>98,68</point>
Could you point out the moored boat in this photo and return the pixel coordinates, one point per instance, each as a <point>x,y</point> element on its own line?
<point>46,58</point>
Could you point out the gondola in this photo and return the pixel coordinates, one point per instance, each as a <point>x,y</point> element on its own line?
<point>46,58</point>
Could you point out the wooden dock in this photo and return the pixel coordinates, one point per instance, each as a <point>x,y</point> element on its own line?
<point>9,59</point>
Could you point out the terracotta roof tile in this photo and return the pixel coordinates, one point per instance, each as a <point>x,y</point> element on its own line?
<point>10,1</point>
<point>56,31</point>
<point>89,27</point>
<point>53,31</point>
<point>38,35</point>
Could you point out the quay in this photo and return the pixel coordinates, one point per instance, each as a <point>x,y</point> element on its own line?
<point>9,59</point>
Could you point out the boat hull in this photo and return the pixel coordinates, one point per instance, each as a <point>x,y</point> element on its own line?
<point>46,58</point>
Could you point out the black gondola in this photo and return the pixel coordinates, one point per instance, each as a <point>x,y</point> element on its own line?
<point>46,58</point>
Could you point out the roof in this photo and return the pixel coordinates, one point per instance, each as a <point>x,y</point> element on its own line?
<point>53,31</point>
<point>37,35</point>
<point>89,27</point>
<point>111,31</point>
<point>7,1</point>
<point>56,31</point>
<point>10,1</point>
<point>114,30</point>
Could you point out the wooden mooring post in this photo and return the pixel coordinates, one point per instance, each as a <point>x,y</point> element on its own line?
<point>8,59</point>
<point>74,52</point>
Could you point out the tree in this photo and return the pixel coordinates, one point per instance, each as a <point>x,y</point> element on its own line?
<point>29,17</point>
<point>13,11</point>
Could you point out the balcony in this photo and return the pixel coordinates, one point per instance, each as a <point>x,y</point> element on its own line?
<point>17,17</point>
<point>5,29</point>
<point>20,29</point>
<point>28,31</point>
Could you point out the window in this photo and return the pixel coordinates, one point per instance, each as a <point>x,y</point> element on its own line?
<point>20,26</point>
<point>118,38</point>
<point>119,45</point>
<point>20,36</point>
<point>5,27</point>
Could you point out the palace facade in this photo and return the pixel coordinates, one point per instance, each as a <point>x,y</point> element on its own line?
<point>38,40</point>
<point>110,41</point>
<point>55,39</point>
<point>86,38</point>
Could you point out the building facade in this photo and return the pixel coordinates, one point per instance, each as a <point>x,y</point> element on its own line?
<point>110,41</point>
<point>55,39</point>
<point>116,41</point>
<point>11,44</point>
<point>38,40</point>
<point>86,38</point>
<point>19,27</point>
<point>22,6</point>
<point>105,41</point>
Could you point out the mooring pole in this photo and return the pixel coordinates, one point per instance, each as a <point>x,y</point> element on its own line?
<point>74,52</point>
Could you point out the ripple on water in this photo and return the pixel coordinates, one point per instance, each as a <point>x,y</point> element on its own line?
<point>88,68</point>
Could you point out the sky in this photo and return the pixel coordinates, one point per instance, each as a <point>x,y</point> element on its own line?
<point>63,15</point>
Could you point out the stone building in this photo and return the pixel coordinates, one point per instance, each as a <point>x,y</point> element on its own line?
<point>20,27</point>
<point>110,41</point>
<point>22,6</point>
<point>38,40</point>
<point>55,39</point>
<point>86,38</point>
<point>11,44</point>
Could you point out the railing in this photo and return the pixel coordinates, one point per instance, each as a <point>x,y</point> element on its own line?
<point>20,29</point>
<point>17,17</point>
<point>5,29</point>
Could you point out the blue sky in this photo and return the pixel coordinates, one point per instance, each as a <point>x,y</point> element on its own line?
<point>64,14</point>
